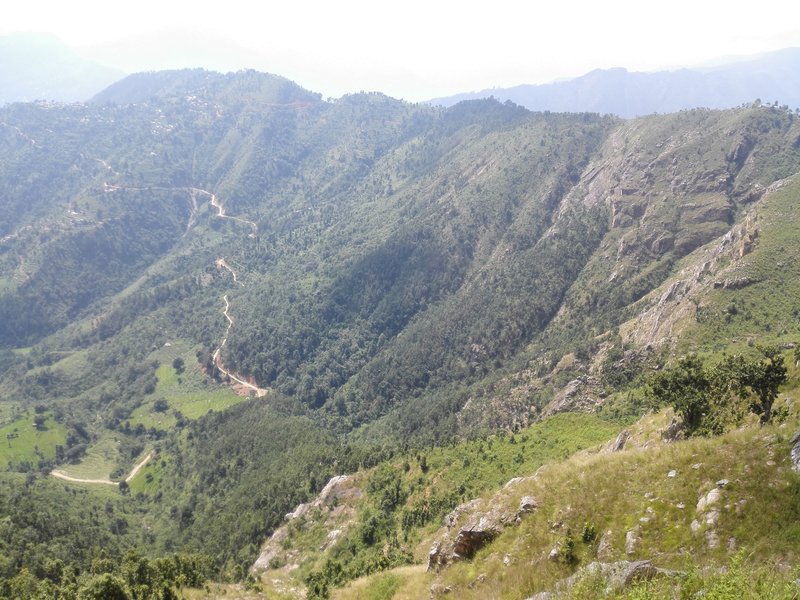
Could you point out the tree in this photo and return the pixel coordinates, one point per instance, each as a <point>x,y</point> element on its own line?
<point>104,587</point>
<point>39,421</point>
<point>765,377</point>
<point>178,364</point>
<point>686,388</point>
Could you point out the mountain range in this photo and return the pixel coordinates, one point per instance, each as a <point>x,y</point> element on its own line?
<point>220,294</point>
<point>771,77</point>
<point>42,67</point>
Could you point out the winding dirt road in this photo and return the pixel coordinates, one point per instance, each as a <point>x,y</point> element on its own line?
<point>221,210</point>
<point>134,471</point>
<point>222,264</point>
<point>260,392</point>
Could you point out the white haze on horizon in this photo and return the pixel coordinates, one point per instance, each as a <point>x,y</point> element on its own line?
<point>413,50</point>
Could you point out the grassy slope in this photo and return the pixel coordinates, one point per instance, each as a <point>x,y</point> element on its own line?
<point>754,460</point>
<point>769,309</point>
<point>100,459</point>
<point>611,492</point>
<point>452,474</point>
<point>30,444</point>
<point>188,393</point>
<point>759,516</point>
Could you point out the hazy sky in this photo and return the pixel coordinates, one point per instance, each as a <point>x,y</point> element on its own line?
<point>412,49</point>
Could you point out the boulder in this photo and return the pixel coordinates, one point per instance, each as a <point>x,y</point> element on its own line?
<point>435,558</point>
<point>438,589</point>
<point>452,517</point>
<point>470,538</point>
<point>673,430</point>
<point>484,522</point>
<point>528,504</point>
<point>605,549</point>
<point>619,443</point>
<point>738,283</point>
<point>632,540</point>
<point>712,539</point>
<point>617,576</point>
<point>623,573</point>
<point>474,536</point>
<point>795,452</point>
<point>711,498</point>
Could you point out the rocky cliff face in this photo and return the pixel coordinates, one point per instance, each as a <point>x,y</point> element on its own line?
<point>722,265</point>
<point>332,511</point>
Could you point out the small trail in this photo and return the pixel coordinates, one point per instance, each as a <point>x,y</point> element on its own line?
<point>192,213</point>
<point>136,468</point>
<point>65,477</point>
<point>193,192</point>
<point>106,165</point>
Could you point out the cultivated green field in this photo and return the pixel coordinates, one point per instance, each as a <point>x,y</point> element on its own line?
<point>189,393</point>
<point>27,443</point>
<point>100,459</point>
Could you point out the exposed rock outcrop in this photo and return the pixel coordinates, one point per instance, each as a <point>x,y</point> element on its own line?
<point>619,443</point>
<point>735,283</point>
<point>336,488</point>
<point>475,535</point>
<point>582,394</point>
<point>329,507</point>
<point>482,522</point>
<point>679,300</point>
<point>617,576</point>
<point>795,452</point>
<point>632,539</point>
<point>708,513</point>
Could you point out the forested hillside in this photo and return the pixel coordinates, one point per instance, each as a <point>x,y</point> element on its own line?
<point>258,289</point>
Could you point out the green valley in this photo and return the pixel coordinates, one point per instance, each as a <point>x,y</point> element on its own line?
<point>367,348</point>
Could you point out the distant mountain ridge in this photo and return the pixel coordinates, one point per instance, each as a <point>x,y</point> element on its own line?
<point>774,76</point>
<point>36,66</point>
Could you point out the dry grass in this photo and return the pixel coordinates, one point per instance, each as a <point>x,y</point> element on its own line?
<point>403,583</point>
<point>759,511</point>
